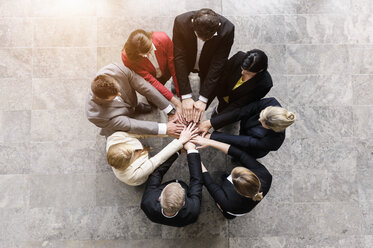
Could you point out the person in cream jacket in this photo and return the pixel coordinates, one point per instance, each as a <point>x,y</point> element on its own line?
<point>130,159</point>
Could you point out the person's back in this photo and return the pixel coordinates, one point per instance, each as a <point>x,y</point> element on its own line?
<point>174,203</point>
<point>112,102</point>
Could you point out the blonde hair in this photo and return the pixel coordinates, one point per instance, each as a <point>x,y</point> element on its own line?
<point>277,118</point>
<point>172,198</point>
<point>121,155</point>
<point>246,183</point>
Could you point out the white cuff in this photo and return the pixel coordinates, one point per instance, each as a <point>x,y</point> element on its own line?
<point>186,96</point>
<point>162,128</point>
<point>167,109</point>
<point>192,151</point>
<point>203,99</point>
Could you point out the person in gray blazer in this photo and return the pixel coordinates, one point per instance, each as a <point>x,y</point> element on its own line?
<point>112,103</point>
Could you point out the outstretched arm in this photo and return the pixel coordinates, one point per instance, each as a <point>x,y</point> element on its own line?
<point>266,143</point>
<point>155,179</point>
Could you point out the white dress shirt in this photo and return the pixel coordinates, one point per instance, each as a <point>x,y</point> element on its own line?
<point>153,59</point>
<point>200,44</point>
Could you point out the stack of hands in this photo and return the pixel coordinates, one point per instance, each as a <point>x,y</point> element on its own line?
<point>190,112</point>
<point>190,137</point>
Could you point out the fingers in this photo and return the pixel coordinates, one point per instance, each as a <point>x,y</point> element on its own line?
<point>194,135</point>
<point>203,134</point>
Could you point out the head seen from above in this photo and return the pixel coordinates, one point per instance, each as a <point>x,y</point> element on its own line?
<point>255,61</point>
<point>138,44</point>
<point>121,155</point>
<point>246,183</point>
<point>105,88</point>
<point>276,118</point>
<point>172,198</point>
<point>205,23</point>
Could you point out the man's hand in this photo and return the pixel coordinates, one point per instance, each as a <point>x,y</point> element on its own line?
<point>174,129</point>
<point>199,109</point>
<point>189,146</point>
<point>204,127</point>
<point>187,106</point>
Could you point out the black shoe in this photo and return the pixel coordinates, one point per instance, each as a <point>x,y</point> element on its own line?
<point>143,108</point>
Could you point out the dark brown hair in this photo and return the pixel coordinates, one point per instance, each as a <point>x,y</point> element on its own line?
<point>104,86</point>
<point>139,42</point>
<point>205,23</point>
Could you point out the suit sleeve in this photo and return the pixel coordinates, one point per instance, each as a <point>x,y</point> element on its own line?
<point>144,170</point>
<point>253,96</point>
<point>215,190</point>
<point>252,164</point>
<point>155,179</point>
<point>156,84</point>
<point>266,143</point>
<point>169,46</point>
<point>127,124</point>
<point>180,60</point>
<point>216,67</point>
<point>145,89</point>
<point>249,110</point>
<point>196,181</point>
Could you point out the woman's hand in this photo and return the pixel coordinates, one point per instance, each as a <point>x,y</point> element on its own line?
<point>202,142</point>
<point>189,146</point>
<point>188,133</point>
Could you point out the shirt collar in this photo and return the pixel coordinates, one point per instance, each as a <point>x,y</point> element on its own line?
<point>229,178</point>
<point>169,217</point>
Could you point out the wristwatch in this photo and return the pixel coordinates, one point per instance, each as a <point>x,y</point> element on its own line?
<point>172,112</point>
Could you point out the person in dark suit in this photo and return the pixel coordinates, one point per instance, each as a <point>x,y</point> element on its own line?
<point>174,203</point>
<point>244,188</point>
<point>202,42</point>
<point>262,127</point>
<point>245,80</point>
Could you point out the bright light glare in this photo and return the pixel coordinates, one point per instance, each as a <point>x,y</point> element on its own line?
<point>72,7</point>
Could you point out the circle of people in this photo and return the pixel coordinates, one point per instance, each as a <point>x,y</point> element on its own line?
<point>201,44</point>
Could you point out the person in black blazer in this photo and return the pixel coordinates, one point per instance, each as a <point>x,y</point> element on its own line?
<point>244,188</point>
<point>202,43</point>
<point>262,127</point>
<point>245,80</point>
<point>174,203</point>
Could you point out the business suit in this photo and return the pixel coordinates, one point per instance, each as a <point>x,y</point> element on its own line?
<point>253,137</point>
<point>193,194</point>
<point>225,194</point>
<point>116,115</point>
<point>213,57</point>
<point>250,91</point>
<point>165,56</point>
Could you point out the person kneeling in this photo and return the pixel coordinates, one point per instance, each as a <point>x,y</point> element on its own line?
<point>174,203</point>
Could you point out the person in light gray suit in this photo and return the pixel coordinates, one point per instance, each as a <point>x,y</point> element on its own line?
<point>112,103</point>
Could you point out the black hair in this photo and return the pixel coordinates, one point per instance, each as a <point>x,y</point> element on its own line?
<point>255,61</point>
<point>205,23</point>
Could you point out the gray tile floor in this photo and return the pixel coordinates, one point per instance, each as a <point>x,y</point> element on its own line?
<point>56,189</point>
